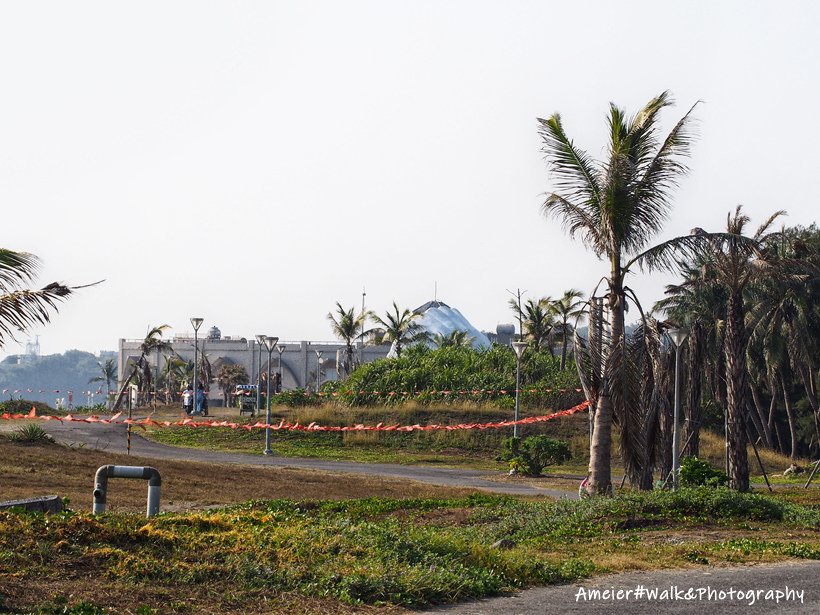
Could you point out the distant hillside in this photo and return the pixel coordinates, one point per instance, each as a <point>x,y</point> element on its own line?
<point>49,377</point>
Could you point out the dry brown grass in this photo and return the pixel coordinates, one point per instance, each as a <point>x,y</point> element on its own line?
<point>52,469</point>
<point>712,449</point>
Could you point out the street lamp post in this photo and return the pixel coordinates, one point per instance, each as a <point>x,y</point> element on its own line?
<point>270,344</point>
<point>519,348</point>
<point>280,350</point>
<point>196,323</point>
<point>260,341</point>
<point>678,337</point>
<point>319,354</point>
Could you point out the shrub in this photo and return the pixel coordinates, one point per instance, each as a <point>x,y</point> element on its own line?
<point>697,472</point>
<point>295,398</point>
<point>23,406</point>
<point>534,453</point>
<point>30,434</point>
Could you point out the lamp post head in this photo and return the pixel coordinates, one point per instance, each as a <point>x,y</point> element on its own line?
<point>678,336</point>
<point>319,353</point>
<point>519,347</point>
<point>280,348</point>
<point>270,343</point>
<point>260,338</point>
<point>197,323</point>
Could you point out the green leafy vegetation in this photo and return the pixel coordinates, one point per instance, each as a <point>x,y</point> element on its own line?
<point>422,373</point>
<point>531,455</point>
<point>408,552</point>
<point>29,434</point>
<point>694,471</point>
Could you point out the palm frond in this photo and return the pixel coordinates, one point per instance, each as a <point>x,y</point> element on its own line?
<point>574,171</point>
<point>20,309</point>
<point>576,220</point>
<point>669,254</point>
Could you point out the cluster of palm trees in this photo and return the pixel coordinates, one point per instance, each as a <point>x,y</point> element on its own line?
<point>398,327</point>
<point>176,373</point>
<point>545,321</point>
<point>616,206</point>
<point>754,345</point>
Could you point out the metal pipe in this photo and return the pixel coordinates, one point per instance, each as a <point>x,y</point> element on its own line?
<point>112,471</point>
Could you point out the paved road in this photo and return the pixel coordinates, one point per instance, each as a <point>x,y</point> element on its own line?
<point>561,599</point>
<point>113,438</point>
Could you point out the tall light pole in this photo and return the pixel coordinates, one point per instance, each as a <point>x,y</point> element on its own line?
<point>678,337</point>
<point>270,344</point>
<point>260,341</point>
<point>196,323</point>
<point>361,337</point>
<point>280,350</point>
<point>319,354</point>
<point>519,348</point>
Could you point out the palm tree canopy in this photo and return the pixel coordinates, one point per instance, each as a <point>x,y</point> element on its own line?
<point>346,325</point>
<point>153,340</point>
<point>618,205</point>
<point>399,326</point>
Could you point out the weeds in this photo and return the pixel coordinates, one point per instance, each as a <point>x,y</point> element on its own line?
<point>30,434</point>
<point>408,552</point>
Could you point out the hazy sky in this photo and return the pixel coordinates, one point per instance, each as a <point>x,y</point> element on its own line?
<point>255,162</point>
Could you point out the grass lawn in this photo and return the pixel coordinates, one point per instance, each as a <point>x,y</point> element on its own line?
<point>477,449</point>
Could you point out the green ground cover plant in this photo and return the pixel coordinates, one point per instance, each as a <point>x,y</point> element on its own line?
<point>407,552</point>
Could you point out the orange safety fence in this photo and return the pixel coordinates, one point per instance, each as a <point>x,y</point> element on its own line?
<point>284,426</point>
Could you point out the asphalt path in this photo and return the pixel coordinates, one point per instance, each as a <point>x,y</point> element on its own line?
<point>113,438</point>
<point>790,579</point>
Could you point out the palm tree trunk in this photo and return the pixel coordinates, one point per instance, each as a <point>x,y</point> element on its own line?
<point>736,393</point>
<point>125,384</point>
<point>600,452</point>
<point>774,427</point>
<point>691,427</point>
<point>787,401</point>
<point>564,348</point>
<point>766,433</point>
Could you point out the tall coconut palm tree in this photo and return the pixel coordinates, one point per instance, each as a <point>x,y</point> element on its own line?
<point>539,324</point>
<point>400,328</point>
<point>348,327</point>
<point>617,206</point>
<point>141,371</point>
<point>737,261</point>
<point>20,308</point>
<point>568,308</point>
<point>784,324</point>
<point>108,374</point>
<point>228,377</point>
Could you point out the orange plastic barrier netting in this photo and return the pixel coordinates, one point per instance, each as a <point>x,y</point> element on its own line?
<point>283,426</point>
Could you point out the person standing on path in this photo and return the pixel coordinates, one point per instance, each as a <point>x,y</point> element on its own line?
<point>187,399</point>
<point>200,400</point>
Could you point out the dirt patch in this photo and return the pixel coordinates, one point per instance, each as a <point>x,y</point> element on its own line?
<point>53,469</point>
